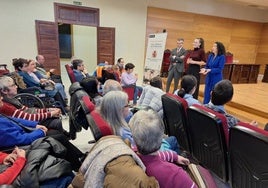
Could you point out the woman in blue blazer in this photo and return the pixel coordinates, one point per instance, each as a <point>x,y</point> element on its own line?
<point>213,69</point>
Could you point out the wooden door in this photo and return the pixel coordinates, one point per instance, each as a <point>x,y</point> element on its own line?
<point>48,43</point>
<point>105,44</point>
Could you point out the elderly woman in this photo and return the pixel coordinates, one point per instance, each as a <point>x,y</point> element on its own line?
<point>114,109</point>
<point>147,130</point>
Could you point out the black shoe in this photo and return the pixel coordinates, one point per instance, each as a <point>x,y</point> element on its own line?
<point>67,134</point>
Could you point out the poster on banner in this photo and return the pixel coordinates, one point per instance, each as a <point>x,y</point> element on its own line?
<point>154,55</point>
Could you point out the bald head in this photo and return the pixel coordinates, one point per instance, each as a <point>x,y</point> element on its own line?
<point>111,85</point>
<point>40,59</point>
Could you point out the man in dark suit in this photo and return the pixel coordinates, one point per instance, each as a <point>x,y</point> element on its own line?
<point>176,66</point>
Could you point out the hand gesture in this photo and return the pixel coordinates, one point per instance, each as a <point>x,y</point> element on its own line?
<point>43,128</point>
<point>19,152</point>
<point>85,71</point>
<point>10,159</point>
<point>202,71</point>
<point>56,112</point>
<point>189,61</point>
<point>183,161</point>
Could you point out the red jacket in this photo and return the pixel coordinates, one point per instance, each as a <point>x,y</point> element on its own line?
<point>10,174</point>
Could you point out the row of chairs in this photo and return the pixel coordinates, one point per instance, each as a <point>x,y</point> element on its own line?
<point>237,156</point>
<point>83,114</point>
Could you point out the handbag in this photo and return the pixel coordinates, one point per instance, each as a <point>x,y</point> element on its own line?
<point>201,176</point>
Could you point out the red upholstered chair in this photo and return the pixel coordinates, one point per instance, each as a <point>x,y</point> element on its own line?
<point>80,106</point>
<point>70,73</point>
<point>248,156</point>
<point>3,69</point>
<point>175,119</point>
<point>98,125</point>
<point>208,131</point>
<point>130,91</point>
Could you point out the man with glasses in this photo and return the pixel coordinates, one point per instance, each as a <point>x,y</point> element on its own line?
<point>176,67</point>
<point>79,69</point>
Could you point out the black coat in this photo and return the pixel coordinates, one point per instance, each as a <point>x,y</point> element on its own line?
<point>44,162</point>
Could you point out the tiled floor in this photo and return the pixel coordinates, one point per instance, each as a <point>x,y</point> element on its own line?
<point>82,138</point>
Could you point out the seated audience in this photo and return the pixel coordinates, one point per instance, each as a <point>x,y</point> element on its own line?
<point>114,109</point>
<point>44,166</point>
<point>19,132</point>
<point>79,69</point>
<point>12,107</point>
<point>220,95</point>
<point>120,64</point>
<point>25,69</point>
<point>111,85</point>
<point>98,71</point>
<point>30,68</point>
<point>151,95</point>
<point>129,79</point>
<point>40,61</point>
<point>90,85</point>
<point>107,73</point>
<point>116,72</point>
<point>187,89</point>
<point>15,162</point>
<point>111,163</point>
<point>148,129</point>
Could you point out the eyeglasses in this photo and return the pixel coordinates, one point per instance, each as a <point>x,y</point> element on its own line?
<point>127,106</point>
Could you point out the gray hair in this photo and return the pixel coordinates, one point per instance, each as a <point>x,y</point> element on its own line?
<point>5,81</point>
<point>111,109</point>
<point>147,130</point>
<point>111,85</point>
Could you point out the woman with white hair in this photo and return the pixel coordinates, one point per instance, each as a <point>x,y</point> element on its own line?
<point>115,108</point>
<point>148,129</point>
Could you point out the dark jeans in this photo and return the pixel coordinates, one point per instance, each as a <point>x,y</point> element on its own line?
<point>137,91</point>
<point>52,123</point>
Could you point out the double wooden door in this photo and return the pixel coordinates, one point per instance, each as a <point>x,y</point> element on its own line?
<point>47,33</point>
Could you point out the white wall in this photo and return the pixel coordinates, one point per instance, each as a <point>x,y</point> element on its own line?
<point>85,45</point>
<point>17,20</point>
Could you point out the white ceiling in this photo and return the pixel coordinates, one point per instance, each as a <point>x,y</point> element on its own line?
<point>259,4</point>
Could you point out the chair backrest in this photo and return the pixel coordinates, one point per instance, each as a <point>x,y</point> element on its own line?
<point>98,125</point>
<point>70,73</point>
<point>3,69</point>
<point>208,141</point>
<point>130,91</point>
<point>248,156</point>
<point>175,117</point>
<point>80,106</point>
